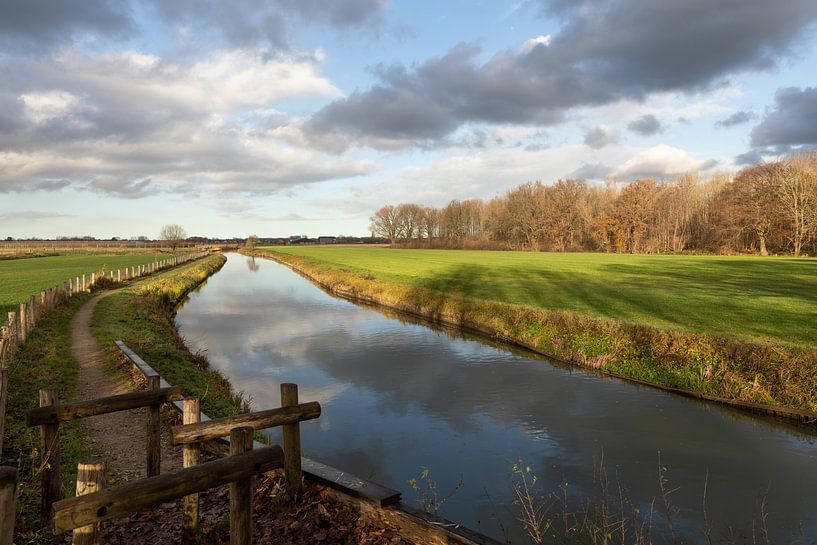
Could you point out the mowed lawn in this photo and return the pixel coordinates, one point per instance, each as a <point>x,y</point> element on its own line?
<point>770,299</point>
<point>22,278</point>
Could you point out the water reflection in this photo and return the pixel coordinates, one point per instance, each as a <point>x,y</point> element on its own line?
<point>398,395</point>
<point>252,265</point>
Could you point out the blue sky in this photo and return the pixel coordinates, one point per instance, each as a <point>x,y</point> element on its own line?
<point>285,117</point>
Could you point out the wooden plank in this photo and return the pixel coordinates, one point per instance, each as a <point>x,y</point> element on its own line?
<point>69,411</point>
<point>348,483</point>
<point>90,479</point>
<point>213,429</point>
<point>8,493</point>
<point>147,493</point>
<point>292,443</point>
<point>139,363</point>
<point>415,525</point>
<point>153,432</point>
<point>241,491</point>
<point>190,457</point>
<point>50,483</point>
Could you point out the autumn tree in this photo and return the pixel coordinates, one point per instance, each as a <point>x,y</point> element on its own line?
<point>752,198</point>
<point>385,223</point>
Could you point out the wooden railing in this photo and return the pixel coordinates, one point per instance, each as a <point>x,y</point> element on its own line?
<point>51,413</point>
<point>93,504</point>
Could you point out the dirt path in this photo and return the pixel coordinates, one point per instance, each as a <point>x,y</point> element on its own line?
<point>119,438</point>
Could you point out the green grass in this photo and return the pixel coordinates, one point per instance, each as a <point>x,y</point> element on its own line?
<point>770,299</point>
<point>44,361</point>
<point>22,278</point>
<point>141,315</point>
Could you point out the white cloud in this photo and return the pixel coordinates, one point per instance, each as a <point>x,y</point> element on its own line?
<point>528,46</point>
<point>660,161</point>
<point>45,106</point>
<point>129,124</point>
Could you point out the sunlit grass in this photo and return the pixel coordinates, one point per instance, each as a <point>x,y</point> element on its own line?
<point>22,278</point>
<point>768,299</point>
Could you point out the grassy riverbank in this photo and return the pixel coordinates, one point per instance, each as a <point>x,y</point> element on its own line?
<point>44,361</point>
<point>141,315</point>
<point>507,295</point>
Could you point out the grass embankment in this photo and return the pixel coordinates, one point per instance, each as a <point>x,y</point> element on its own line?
<point>734,328</point>
<point>22,278</point>
<point>141,315</point>
<point>44,361</point>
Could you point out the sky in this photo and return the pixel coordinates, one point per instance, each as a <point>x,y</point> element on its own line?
<point>282,117</point>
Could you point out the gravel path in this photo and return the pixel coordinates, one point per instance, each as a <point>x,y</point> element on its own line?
<point>118,438</point>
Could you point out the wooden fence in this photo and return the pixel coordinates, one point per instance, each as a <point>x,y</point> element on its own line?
<point>19,325</point>
<point>93,504</point>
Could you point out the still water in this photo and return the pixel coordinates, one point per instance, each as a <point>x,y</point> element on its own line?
<point>399,395</point>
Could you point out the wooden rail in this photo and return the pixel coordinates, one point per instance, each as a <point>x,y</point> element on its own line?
<point>54,414</point>
<point>152,491</point>
<point>214,429</point>
<point>51,413</point>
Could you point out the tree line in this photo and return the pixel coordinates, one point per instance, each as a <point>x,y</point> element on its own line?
<point>766,208</point>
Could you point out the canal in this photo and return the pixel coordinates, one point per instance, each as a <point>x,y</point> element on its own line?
<point>399,396</point>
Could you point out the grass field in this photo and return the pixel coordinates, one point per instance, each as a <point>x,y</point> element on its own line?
<point>22,278</point>
<point>769,299</point>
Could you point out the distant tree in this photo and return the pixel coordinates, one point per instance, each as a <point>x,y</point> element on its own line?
<point>796,192</point>
<point>385,223</point>
<point>752,196</point>
<point>173,234</point>
<point>251,242</point>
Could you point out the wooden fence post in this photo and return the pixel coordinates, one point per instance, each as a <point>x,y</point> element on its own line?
<point>4,386</point>
<point>23,326</point>
<point>49,459</point>
<point>241,491</point>
<point>154,432</point>
<point>292,443</point>
<point>8,493</point>
<point>90,478</point>
<point>190,458</point>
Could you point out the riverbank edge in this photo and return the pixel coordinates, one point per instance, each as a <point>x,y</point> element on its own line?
<point>143,316</point>
<point>408,521</point>
<point>605,346</point>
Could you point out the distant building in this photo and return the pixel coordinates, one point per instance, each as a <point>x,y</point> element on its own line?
<point>327,239</point>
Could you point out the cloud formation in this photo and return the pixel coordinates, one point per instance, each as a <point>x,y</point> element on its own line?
<point>791,122</point>
<point>737,118</point>
<point>37,25</point>
<point>646,125</point>
<point>131,125</point>
<point>601,136</point>
<point>606,51</point>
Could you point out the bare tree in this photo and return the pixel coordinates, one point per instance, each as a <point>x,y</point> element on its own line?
<point>385,223</point>
<point>173,234</point>
<point>251,242</point>
<point>796,190</point>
